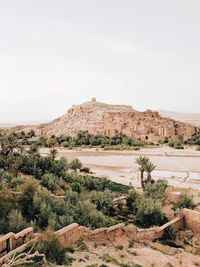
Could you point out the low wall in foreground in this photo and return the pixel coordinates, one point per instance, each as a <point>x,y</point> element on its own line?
<point>192,220</point>
<point>11,243</point>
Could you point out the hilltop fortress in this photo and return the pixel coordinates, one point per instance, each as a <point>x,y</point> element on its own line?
<point>110,120</point>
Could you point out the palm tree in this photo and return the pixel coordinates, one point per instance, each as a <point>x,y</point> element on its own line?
<point>142,161</point>
<point>34,153</point>
<point>149,168</point>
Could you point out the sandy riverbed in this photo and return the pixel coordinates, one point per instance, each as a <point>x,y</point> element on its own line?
<point>180,167</point>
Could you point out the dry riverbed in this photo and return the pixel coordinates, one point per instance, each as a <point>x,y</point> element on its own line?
<point>180,167</point>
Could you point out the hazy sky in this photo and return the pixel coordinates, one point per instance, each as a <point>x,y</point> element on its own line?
<point>55,53</point>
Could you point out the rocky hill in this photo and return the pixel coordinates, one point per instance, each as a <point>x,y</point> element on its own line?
<point>105,119</point>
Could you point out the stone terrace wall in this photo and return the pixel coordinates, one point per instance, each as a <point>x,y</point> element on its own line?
<point>113,234</point>
<point>117,233</point>
<point>192,220</point>
<point>70,234</point>
<point>177,224</point>
<point>11,241</point>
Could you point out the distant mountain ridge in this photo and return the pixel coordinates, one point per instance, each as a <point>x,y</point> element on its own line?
<point>191,118</point>
<point>14,124</point>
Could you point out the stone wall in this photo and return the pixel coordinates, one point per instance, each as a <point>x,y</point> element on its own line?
<point>177,224</point>
<point>70,234</point>
<point>6,242</point>
<point>114,234</point>
<point>192,220</point>
<point>11,241</point>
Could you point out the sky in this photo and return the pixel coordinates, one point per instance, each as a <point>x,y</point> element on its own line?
<point>56,53</point>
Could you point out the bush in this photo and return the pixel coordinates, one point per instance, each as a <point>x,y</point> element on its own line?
<point>179,147</point>
<point>156,190</point>
<point>49,245</point>
<point>132,201</point>
<point>76,187</point>
<point>26,199</point>
<point>16,222</point>
<point>16,182</point>
<point>48,180</point>
<point>85,170</point>
<point>102,200</point>
<point>87,215</point>
<point>150,213</point>
<point>184,201</point>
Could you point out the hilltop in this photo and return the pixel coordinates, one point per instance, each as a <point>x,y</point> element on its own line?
<point>100,118</point>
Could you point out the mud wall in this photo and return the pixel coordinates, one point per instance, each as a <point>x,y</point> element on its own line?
<point>192,220</point>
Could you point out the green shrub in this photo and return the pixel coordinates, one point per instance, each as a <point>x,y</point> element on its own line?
<point>76,187</point>
<point>16,222</point>
<point>150,213</point>
<point>184,201</point>
<point>132,201</point>
<point>156,190</point>
<point>16,182</point>
<point>49,181</point>
<point>49,245</point>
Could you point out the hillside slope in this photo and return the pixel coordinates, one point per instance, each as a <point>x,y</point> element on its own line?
<point>105,119</point>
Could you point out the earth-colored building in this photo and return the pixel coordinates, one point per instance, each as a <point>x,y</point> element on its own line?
<point>110,120</point>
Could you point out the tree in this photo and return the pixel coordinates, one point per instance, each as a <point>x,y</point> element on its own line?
<point>26,199</point>
<point>34,153</point>
<point>61,166</point>
<point>132,201</point>
<point>141,162</point>
<point>149,167</point>
<point>75,165</point>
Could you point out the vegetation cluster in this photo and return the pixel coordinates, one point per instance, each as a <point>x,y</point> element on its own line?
<point>86,200</point>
